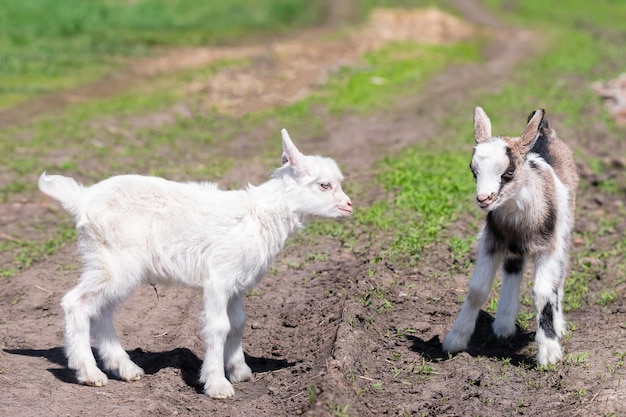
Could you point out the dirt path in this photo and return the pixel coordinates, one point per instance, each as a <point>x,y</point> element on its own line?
<point>310,339</point>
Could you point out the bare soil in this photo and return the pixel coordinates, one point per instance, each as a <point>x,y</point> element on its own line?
<point>316,348</point>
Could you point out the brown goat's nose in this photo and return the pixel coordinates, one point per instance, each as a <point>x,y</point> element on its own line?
<point>482,198</point>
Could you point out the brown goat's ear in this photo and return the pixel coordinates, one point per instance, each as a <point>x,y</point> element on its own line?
<point>482,125</point>
<point>530,134</point>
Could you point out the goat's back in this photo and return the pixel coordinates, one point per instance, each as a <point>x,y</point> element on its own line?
<point>559,156</point>
<point>147,207</point>
<point>130,195</point>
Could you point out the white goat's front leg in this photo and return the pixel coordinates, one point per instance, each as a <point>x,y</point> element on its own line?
<point>113,355</point>
<point>487,265</point>
<point>550,320</point>
<point>234,359</point>
<point>508,306</point>
<point>215,331</point>
<point>80,306</point>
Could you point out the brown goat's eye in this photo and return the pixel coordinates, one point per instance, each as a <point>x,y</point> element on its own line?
<point>508,175</point>
<point>325,186</point>
<point>471,167</point>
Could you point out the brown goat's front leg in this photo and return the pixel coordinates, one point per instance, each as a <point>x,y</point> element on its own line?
<point>480,284</point>
<point>508,306</point>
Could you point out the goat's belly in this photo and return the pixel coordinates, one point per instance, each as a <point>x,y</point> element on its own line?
<point>167,279</point>
<point>247,283</point>
<point>171,268</point>
<point>241,277</point>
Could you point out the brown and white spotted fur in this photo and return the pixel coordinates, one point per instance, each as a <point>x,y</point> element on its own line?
<point>527,186</point>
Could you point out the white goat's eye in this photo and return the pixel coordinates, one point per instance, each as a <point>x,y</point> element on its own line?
<point>325,186</point>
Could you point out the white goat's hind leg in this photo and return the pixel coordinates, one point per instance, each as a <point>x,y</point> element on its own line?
<point>113,355</point>
<point>545,297</point>
<point>215,331</point>
<point>80,306</point>
<point>234,359</point>
<point>508,306</point>
<point>479,287</point>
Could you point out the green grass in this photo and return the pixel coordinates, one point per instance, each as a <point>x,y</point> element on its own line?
<point>339,411</point>
<point>52,45</point>
<point>578,13</point>
<point>461,250</point>
<point>425,191</point>
<point>397,70</point>
<point>428,189</point>
<point>26,252</point>
<point>49,45</point>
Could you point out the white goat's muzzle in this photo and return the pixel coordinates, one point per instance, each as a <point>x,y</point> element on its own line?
<point>345,208</point>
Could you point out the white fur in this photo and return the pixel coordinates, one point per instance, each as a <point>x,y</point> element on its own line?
<point>523,204</point>
<point>144,230</point>
<point>490,163</point>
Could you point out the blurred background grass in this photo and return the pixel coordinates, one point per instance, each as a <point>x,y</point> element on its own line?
<point>47,45</point>
<point>50,45</point>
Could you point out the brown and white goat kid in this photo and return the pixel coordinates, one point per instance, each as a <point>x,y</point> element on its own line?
<point>145,230</point>
<point>527,185</point>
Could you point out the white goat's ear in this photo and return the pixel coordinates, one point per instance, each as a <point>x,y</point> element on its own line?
<point>482,125</point>
<point>530,134</point>
<point>291,154</point>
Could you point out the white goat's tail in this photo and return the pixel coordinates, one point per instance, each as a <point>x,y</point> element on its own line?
<point>63,189</point>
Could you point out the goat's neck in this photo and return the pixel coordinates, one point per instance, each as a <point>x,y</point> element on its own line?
<point>273,207</point>
<point>529,204</point>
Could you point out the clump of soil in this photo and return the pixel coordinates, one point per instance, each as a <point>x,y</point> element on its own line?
<point>613,92</point>
<point>287,71</point>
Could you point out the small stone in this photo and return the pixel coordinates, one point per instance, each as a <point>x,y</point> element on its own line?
<point>422,326</point>
<point>289,323</point>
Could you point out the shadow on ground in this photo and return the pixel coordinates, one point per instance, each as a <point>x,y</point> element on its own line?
<point>483,343</point>
<point>151,362</point>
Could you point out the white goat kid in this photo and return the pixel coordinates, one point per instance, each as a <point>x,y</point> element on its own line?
<point>527,185</point>
<point>144,230</point>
